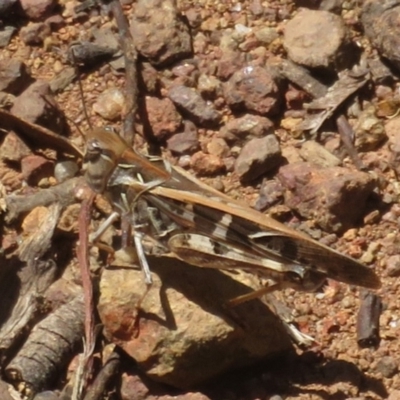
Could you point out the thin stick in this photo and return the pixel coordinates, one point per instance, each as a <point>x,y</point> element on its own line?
<point>86,362</point>
<point>104,377</point>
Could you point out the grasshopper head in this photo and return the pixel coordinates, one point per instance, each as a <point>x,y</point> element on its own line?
<point>103,150</point>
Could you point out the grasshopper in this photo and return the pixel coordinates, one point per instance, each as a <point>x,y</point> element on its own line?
<point>203,227</point>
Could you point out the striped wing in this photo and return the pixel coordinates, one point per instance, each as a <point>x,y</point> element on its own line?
<point>215,215</point>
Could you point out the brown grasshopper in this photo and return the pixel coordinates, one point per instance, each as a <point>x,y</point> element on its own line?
<point>203,227</point>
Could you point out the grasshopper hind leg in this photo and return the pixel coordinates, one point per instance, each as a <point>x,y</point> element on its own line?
<point>255,294</point>
<point>139,256</point>
<point>144,265</point>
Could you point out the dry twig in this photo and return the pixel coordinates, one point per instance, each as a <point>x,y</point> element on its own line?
<point>86,360</point>
<point>130,56</point>
<point>48,349</point>
<point>103,378</point>
<point>327,102</point>
<point>368,319</point>
<point>39,135</point>
<point>26,279</point>
<point>63,194</point>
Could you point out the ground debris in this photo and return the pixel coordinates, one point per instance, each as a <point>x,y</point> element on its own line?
<point>237,89</point>
<point>48,348</point>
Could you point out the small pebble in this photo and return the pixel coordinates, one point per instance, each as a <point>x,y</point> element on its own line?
<point>387,366</point>
<point>65,170</point>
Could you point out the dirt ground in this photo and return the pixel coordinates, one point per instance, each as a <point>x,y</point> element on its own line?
<point>334,367</point>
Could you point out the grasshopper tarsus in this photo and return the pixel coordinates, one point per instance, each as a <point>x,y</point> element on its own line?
<point>135,326</point>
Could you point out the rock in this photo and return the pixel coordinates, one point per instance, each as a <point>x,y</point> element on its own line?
<point>380,20</point>
<point>32,220</point>
<point>186,336</point>
<point>208,85</point>
<point>107,38</point>
<point>62,79</point>
<point>88,53</point>
<point>218,147</point>
<point>316,154</point>
<point>271,192</point>
<point>159,32</point>
<point>266,35</point>
<point>392,128</point>
<point>31,106</point>
<point>109,104</point>
<point>47,395</point>
<point>34,33</point>
<point>313,4</point>
<point>5,6</point>
<point>228,64</point>
<point>65,170</point>
<point>184,142</point>
<point>191,103</point>
<point>6,100</point>
<point>5,35</point>
<point>291,155</point>
<point>229,39</point>
<point>257,157</point>
<point>118,63</point>
<point>256,7</point>
<point>194,17</point>
<point>291,125</point>
<point>206,164</point>
<point>394,395</point>
<point>55,22</point>
<point>133,387</point>
<point>380,72</point>
<point>317,39</point>
<point>334,197</point>
<point>163,117</point>
<point>184,69</point>
<point>184,161</point>
<point>254,89</point>
<point>37,9</point>
<point>393,265</point>
<point>387,366</point>
<point>14,148</point>
<point>9,177</point>
<point>34,168</point>
<point>13,76</point>
<point>211,24</point>
<point>200,43</point>
<point>149,77</point>
<point>252,44</point>
<point>334,6</point>
<point>249,125</point>
<point>295,98</point>
<point>276,397</point>
<point>369,130</point>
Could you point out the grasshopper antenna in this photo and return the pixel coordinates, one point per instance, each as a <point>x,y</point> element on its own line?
<point>81,94</point>
<point>46,100</point>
